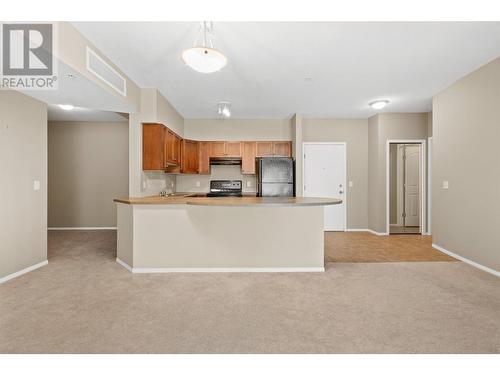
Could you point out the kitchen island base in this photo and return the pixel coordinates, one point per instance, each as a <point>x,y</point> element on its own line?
<point>212,238</point>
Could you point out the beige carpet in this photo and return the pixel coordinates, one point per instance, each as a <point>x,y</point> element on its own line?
<point>83,302</point>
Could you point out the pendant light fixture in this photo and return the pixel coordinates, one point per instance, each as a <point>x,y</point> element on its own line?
<point>204,58</point>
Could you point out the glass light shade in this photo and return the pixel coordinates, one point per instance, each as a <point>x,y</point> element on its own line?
<point>379,104</point>
<point>204,59</point>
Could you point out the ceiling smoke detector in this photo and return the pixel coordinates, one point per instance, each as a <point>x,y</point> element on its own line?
<point>224,109</point>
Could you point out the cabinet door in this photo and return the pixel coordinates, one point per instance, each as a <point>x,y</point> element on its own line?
<point>264,148</point>
<point>217,149</point>
<point>204,157</point>
<point>169,146</point>
<point>233,149</point>
<point>282,149</point>
<point>248,158</point>
<point>189,157</point>
<point>177,149</point>
<point>153,147</point>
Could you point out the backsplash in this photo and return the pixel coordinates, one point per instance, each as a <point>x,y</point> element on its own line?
<point>154,182</point>
<point>187,183</point>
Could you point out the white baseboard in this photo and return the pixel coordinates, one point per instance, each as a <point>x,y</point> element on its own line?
<point>465,260</point>
<point>81,228</point>
<point>367,230</point>
<point>23,271</point>
<point>219,269</point>
<point>123,264</point>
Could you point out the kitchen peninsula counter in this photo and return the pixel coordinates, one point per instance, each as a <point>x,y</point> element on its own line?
<point>250,200</point>
<point>187,232</point>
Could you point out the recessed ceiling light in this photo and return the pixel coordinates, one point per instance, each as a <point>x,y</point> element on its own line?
<point>66,107</point>
<point>379,104</point>
<point>204,58</point>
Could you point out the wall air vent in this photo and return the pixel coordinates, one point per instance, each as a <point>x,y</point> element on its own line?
<point>105,72</point>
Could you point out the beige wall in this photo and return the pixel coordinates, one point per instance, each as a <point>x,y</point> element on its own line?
<point>23,159</point>
<point>382,127</point>
<point>244,129</point>
<point>88,167</point>
<point>154,108</point>
<point>355,133</point>
<point>466,152</point>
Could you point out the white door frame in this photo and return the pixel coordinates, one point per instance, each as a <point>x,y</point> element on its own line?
<point>422,172</point>
<point>429,184</point>
<point>345,171</point>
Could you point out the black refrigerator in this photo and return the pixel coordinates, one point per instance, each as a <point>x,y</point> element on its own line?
<point>275,177</point>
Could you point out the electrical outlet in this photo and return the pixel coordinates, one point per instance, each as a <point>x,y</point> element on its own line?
<point>249,183</point>
<point>446,185</point>
<point>144,185</point>
<point>198,184</point>
<point>351,183</point>
<point>36,185</point>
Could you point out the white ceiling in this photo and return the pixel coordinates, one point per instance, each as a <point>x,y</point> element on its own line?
<point>55,113</point>
<point>351,64</point>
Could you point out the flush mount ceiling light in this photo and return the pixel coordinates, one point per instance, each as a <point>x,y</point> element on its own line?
<point>379,104</point>
<point>66,107</point>
<point>204,58</point>
<point>224,109</point>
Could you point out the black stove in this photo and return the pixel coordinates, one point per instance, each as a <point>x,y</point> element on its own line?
<point>225,188</point>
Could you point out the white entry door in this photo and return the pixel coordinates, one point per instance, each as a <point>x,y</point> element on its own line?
<point>412,185</point>
<point>325,176</point>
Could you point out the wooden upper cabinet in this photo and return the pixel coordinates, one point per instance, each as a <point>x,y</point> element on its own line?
<point>264,149</point>
<point>204,157</point>
<point>189,156</point>
<point>248,157</point>
<point>153,147</point>
<point>217,149</point>
<point>282,148</point>
<point>172,147</point>
<point>232,149</point>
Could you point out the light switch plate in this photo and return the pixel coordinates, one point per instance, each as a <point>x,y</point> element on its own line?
<point>351,183</point>
<point>446,185</point>
<point>36,185</point>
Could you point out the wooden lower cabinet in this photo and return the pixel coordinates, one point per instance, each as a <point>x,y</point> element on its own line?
<point>204,157</point>
<point>189,156</point>
<point>249,151</point>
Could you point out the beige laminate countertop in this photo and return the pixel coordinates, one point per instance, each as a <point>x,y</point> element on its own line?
<point>191,199</point>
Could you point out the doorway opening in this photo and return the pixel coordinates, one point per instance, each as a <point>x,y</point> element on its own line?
<point>324,172</point>
<point>406,192</point>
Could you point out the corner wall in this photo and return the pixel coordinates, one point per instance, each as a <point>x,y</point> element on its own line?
<point>88,168</point>
<point>153,108</point>
<point>23,159</point>
<point>355,133</point>
<point>466,152</point>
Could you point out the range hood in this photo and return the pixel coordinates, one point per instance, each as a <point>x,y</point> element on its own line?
<point>225,161</point>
